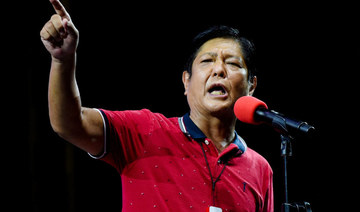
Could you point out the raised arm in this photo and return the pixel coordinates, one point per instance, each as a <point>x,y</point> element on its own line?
<point>81,126</point>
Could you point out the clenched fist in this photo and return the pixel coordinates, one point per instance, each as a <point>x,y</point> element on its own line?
<point>59,35</point>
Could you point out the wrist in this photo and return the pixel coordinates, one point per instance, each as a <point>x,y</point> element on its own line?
<point>69,59</point>
<point>64,64</point>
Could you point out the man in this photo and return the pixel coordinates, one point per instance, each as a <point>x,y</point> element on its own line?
<point>190,163</point>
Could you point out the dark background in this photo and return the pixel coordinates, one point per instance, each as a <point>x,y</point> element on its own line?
<point>131,55</point>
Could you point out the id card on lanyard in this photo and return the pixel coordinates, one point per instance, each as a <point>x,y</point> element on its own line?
<point>213,209</point>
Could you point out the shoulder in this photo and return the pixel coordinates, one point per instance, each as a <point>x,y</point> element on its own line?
<point>126,114</point>
<point>258,160</point>
<point>139,119</point>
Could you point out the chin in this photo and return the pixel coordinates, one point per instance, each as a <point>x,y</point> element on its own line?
<point>221,109</point>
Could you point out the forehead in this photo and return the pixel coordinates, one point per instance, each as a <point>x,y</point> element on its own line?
<point>225,45</point>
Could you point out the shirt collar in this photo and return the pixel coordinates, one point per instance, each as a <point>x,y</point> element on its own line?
<point>189,128</point>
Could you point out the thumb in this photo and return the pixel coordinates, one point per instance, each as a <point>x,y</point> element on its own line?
<point>70,28</point>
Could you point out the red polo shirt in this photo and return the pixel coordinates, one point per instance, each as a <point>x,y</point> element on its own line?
<point>168,164</point>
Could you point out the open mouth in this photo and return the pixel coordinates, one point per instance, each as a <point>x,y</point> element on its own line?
<point>217,90</point>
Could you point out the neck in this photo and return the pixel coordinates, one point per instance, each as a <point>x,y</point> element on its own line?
<point>220,129</point>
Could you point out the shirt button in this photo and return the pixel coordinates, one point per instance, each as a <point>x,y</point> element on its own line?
<point>206,142</point>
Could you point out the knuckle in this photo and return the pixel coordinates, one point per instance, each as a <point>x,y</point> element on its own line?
<point>48,25</point>
<point>55,17</point>
<point>44,34</point>
<point>50,29</point>
<point>56,21</point>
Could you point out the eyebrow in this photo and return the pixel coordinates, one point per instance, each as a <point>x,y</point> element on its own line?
<point>213,54</point>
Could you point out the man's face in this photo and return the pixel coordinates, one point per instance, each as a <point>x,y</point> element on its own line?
<point>219,77</point>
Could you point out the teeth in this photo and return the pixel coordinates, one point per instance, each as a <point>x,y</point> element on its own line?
<point>217,92</point>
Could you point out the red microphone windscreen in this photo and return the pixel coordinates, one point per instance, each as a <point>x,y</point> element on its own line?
<point>245,107</point>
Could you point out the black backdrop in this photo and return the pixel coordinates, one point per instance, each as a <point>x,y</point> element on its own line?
<point>131,56</point>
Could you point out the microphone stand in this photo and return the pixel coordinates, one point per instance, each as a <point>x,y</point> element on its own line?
<point>279,124</point>
<point>285,152</point>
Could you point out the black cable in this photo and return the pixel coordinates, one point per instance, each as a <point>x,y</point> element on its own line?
<point>211,176</point>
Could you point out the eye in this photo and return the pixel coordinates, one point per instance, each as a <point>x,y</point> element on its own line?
<point>209,60</point>
<point>234,64</point>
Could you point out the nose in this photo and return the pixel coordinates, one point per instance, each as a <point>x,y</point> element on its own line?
<point>219,69</point>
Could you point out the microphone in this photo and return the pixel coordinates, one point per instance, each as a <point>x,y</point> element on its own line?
<point>251,110</point>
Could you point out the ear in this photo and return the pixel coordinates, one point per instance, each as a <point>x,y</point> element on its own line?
<point>186,81</point>
<point>252,85</point>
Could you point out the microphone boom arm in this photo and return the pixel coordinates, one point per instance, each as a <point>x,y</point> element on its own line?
<point>282,124</point>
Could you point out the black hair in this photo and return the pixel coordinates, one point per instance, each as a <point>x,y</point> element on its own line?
<point>221,31</point>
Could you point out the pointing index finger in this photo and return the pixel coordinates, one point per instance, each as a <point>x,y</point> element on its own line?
<point>60,9</point>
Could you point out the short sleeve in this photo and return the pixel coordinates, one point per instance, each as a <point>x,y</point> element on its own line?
<point>105,140</point>
<point>125,133</point>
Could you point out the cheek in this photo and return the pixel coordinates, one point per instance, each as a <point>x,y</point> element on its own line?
<point>191,89</point>
<point>197,82</point>
<point>239,86</point>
